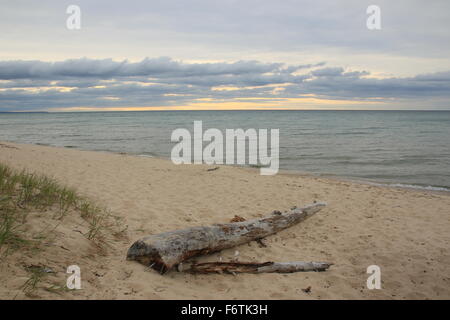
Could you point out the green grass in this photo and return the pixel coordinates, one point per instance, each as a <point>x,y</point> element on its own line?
<point>8,231</point>
<point>23,193</point>
<point>58,288</point>
<point>32,284</point>
<point>28,189</point>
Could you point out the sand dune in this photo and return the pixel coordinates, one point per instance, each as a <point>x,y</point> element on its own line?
<point>405,232</point>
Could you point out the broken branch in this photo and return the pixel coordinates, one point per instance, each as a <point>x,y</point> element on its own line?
<point>251,267</point>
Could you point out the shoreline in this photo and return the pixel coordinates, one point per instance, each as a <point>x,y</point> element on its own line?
<point>394,185</point>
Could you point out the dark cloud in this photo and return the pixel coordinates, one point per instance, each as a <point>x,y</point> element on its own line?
<point>37,85</point>
<point>107,68</point>
<point>328,72</point>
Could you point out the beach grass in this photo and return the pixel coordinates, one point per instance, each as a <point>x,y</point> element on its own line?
<point>36,276</point>
<point>23,193</point>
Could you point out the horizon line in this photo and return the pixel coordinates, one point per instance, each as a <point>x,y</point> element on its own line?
<point>221,110</point>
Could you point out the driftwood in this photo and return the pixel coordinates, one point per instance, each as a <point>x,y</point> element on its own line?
<point>252,267</point>
<point>166,250</point>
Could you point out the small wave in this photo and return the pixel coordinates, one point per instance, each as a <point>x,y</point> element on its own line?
<point>352,133</point>
<point>147,155</point>
<point>410,186</point>
<point>68,135</point>
<point>387,162</point>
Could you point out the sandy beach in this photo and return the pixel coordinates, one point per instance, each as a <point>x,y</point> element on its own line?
<point>405,232</point>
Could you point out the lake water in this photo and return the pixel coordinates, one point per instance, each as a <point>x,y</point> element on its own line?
<point>388,147</point>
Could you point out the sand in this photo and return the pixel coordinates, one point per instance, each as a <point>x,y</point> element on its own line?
<point>405,232</point>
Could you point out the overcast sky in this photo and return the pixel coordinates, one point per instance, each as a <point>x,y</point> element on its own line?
<point>207,54</point>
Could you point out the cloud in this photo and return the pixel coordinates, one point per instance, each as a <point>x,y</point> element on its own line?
<point>413,39</point>
<point>328,72</point>
<point>39,85</point>
<point>107,68</point>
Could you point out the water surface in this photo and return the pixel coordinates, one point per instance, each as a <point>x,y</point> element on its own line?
<point>394,147</point>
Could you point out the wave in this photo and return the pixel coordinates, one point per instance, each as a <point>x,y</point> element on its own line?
<point>410,186</point>
<point>148,155</point>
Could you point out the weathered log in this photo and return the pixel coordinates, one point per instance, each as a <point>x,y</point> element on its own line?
<point>165,250</point>
<point>252,267</point>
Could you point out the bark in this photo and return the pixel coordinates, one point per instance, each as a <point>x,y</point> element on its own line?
<point>165,250</point>
<point>252,267</point>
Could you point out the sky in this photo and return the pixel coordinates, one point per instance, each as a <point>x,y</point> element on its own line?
<point>208,54</point>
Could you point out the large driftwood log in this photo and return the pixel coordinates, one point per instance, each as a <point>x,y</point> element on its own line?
<point>165,250</point>
<point>252,267</point>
